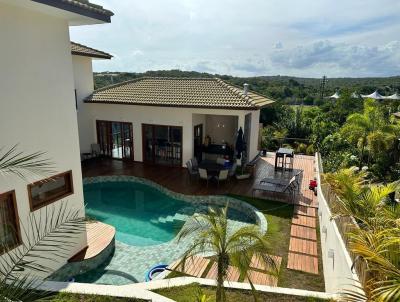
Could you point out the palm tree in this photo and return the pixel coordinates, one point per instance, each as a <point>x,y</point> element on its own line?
<point>212,235</point>
<point>376,239</point>
<point>370,131</point>
<point>52,230</point>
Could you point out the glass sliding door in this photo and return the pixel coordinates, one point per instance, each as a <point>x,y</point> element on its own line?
<point>115,139</point>
<point>148,145</point>
<point>162,145</point>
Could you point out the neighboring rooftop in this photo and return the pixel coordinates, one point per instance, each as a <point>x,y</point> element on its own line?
<point>81,7</point>
<point>179,92</point>
<point>82,50</point>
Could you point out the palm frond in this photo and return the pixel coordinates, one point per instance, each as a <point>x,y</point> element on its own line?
<point>24,165</point>
<point>49,237</point>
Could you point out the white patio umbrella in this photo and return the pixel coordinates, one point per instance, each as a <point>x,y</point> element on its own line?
<point>394,96</point>
<point>375,95</point>
<point>336,95</point>
<point>355,95</point>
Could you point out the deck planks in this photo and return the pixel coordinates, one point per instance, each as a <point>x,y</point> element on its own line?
<point>99,235</point>
<point>303,232</point>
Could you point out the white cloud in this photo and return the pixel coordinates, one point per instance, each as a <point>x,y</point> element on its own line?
<point>247,37</point>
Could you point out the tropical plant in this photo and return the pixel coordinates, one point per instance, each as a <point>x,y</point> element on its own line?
<point>370,131</point>
<point>212,235</point>
<point>48,238</point>
<point>44,239</point>
<point>14,162</point>
<point>376,237</point>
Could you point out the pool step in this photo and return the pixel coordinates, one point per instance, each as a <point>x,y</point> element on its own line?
<point>170,218</point>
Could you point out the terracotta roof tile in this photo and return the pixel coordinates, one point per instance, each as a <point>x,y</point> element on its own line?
<point>82,50</point>
<point>179,92</point>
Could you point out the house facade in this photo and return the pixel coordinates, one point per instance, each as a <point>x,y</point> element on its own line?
<point>167,121</point>
<point>38,103</point>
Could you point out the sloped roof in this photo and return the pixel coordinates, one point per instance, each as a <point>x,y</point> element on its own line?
<point>82,7</point>
<point>82,50</point>
<point>179,92</point>
<point>375,95</point>
<point>336,95</point>
<point>394,96</point>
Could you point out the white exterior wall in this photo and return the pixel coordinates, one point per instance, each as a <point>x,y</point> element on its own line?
<point>138,115</point>
<point>84,85</point>
<point>337,269</point>
<point>37,107</point>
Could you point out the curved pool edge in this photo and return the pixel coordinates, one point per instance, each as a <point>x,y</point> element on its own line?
<point>218,200</point>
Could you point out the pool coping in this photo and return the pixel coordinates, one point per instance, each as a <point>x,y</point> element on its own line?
<point>208,200</point>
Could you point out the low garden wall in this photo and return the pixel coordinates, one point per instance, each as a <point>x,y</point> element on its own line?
<point>337,262</point>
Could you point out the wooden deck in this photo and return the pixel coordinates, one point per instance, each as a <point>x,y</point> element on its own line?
<point>99,236</point>
<point>200,267</point>
<point>302,254</point>
<point>177,178</point>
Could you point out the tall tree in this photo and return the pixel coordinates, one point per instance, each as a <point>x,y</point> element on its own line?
<point>212,235</point>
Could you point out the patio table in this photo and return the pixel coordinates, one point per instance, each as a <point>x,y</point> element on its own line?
<point>283,153</point>
<point>212,167</point>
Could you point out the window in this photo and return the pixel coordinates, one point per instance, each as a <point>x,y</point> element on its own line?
<point>46,191</point>
<point>9,222</point>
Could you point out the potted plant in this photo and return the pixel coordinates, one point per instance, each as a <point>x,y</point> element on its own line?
<point>242,173</point>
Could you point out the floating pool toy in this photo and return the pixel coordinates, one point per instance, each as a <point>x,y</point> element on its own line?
<point>155,269</point>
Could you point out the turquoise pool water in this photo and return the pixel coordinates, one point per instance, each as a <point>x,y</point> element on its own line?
<point>147,218</point>
<point>141,214</point>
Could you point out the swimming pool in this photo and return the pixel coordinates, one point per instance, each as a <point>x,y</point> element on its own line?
<point>147,217</point>
<point>141,214</point>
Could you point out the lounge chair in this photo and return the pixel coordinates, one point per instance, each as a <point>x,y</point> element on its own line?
<point>284,182</point>
<point>289,189</point>
<point>204,175</point>
<point>222,176</point>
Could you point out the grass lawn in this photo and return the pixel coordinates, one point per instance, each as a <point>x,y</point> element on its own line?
<point>190,293</point>
<point>279,216</point>
<point>66,297</point>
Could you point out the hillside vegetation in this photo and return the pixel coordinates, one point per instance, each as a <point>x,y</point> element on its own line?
<point>292,90</point>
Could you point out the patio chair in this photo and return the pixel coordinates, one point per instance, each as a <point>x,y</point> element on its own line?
<point>192,172</point>
<point>289,189</point>
<point>204,175</point>
<point>289,159</point>
<point>220,161</point>
<point>222,176</point>
<point>95,150</point>
<point>195,164</point>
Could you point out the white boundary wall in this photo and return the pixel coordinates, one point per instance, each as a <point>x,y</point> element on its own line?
<point>336,259</point>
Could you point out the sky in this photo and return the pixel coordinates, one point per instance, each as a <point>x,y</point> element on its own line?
<point>306,38</point>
